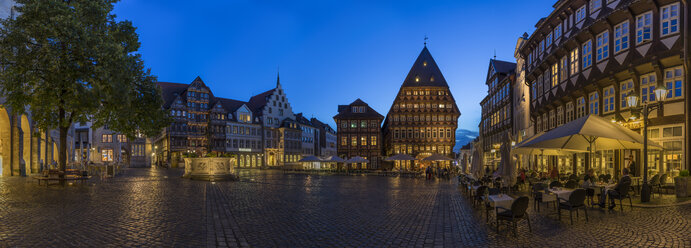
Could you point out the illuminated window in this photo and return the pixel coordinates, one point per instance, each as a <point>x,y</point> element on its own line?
<point>353,141</point>
<point>106,138</point>
<point>363,140</point>
<point>626,88</point>
<point>555,75</point>
<point>373,140</point>
<point>573,61</point>
<point>363,124</point>
<point>107,155</point>
<point>344,141</point>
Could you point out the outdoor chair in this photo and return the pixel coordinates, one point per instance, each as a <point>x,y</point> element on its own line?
<point>488,206</point>
<point>654,182</point>
<point>576,201</point>
<point>590,194</point>
<point>494,191</point>
<point>539,196</point>
<point>513,215</point>
<point>571,184</point>
<point>661,184</point>
<point>480,195</point>
<point>620,193</point>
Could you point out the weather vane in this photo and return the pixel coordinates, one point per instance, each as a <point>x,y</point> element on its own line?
<point>426,40</point>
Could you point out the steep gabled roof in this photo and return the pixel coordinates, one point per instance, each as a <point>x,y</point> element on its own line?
<point>170,91</point>
<point>230,105</point>
<point>316,122</point>
<point>256,103</point>
<point>346,112</point>
<point>424,72</point>
<point>300,118</point>
<point>503,66</point>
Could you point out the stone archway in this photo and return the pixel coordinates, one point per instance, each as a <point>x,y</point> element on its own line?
<point>26,145</point>
<point>5,143</point>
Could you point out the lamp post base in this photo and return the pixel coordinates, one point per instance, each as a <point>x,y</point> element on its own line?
<point>645,192</point>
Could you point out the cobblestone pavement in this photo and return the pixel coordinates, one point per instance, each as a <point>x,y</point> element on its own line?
<point>150,207</point>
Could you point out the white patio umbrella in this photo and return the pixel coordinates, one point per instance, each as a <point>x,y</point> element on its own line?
<point>588,134</point>
<point>356,160</point>
<point>333,159</point>
<point>508,170</point>
<point>476,161</point>
<point>588,131</point>
<point>310,159</point>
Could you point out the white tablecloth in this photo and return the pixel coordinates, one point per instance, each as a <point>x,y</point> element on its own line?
<point>562,193</point>
<point>501,200</point>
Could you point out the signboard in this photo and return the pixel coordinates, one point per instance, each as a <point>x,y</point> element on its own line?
<point>244,149</point>
<point>633,125</point>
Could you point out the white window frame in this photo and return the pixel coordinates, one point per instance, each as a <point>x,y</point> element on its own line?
<point>674,82</point>
<point>608,99</point>
<point>580,107</point>
<point>580,14</point>
<point>548,40</point>
<point>564,72</point>
<point>669,19</point>
<point>595,5</point>
<point>573,61</point>
<point>587,54</point>
<point>648,84</point>
<point>554,80</point>
<point>552,120</point>
<point>557,31</point>
<point>560,115</point>
<point>621,37</point>
<point>602,46</point>
<point>625,88</point>
<point>644,27</point>
<point>569,112</point>
<point>594,103</point>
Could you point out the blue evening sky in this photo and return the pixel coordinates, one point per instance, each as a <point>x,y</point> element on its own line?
<point>329,52</point>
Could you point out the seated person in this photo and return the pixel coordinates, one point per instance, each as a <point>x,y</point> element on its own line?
<point>621,186</point>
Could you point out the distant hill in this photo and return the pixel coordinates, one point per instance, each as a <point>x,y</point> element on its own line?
<point>464,137</point>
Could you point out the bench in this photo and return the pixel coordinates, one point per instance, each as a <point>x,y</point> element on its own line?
<point>54,175</point>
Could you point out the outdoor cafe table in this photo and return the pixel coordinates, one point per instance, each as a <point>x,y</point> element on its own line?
<point>500,200</point>
<point>562,193</point>
<point>600,187</point>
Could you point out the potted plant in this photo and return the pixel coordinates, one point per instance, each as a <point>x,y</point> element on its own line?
<point>682,187</point>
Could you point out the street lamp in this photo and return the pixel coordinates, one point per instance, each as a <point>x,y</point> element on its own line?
<point>645,109</point>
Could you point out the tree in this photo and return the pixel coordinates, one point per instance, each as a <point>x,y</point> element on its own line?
<point>69,61</point>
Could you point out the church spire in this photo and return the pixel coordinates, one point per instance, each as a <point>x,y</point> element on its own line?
<point>278,78</point>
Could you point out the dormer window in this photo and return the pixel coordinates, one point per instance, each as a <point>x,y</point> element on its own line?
<point>417,79</point>
<point>424,63</point>
<point>431,79</point>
